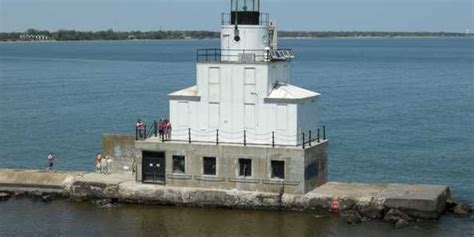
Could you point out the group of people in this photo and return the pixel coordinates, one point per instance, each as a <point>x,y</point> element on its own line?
<point>163,126</point>
<point>164,129</point>
<point>102,164</point>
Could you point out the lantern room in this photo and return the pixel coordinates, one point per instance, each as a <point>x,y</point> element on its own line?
<point>245,12</point>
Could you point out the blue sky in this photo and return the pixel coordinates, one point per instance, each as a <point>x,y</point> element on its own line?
<point>318,15</point>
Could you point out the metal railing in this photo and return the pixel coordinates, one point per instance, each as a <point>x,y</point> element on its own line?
<point>215,55</point>
<point>146,131</point>
<point>226,19</point>
<point>218,137</point>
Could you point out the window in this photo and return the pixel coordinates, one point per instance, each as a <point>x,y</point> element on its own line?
<point>209,164</point>
<point>245,167</point>
<point>179,165</point>
<point>278,169</point>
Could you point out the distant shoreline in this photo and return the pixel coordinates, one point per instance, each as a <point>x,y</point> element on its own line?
<point>200,39</point>
<point>72,35</point>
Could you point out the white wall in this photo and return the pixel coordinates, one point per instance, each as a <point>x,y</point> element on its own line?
<point>308,118</point>
<point>252,37</point>
<point>232,100</point>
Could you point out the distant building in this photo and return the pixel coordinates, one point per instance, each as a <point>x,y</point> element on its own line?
<point>243,125</point>
<point>29,37</point>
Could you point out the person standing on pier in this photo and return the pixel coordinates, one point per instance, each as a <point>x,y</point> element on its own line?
<point>161,129</point>
<point>104,165</point>
<point>140,126</point>
<point>98,159</point>
<point>168,130</point>
<point>51,159</point>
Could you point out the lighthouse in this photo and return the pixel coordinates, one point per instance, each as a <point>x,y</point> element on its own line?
<point>243,125</point>
<point>244,87</point>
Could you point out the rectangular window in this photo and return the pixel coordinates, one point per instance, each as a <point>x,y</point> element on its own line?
<point>209,165</point>
<point>278,169</point>
<point>245,167</point>
<point>179,165</point>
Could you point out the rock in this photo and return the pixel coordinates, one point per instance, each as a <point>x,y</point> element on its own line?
<point>4,196</point>
<point>19,194</point>
<point>106,203</point>
<point>401,223</point>
<point>462,210</point>
<point>35,194</point>
<point>393,216</point>
<point>371,212</point>
<point>352,217</point>
<point>450,204</point>
<point>48,197</point>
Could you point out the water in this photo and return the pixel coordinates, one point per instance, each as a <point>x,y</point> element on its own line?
<point>397,110</point>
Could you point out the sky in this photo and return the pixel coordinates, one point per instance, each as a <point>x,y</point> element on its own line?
<point>292,15</point>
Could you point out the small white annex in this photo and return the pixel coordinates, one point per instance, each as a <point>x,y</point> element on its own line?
<point>243,93</point>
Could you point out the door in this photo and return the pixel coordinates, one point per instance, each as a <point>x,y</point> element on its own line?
<point>153,167</point>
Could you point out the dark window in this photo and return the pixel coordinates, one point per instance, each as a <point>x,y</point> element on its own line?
<point>245,167</point>
<point>209,165</point>
<point>278,169</point>
<point>179,165</point>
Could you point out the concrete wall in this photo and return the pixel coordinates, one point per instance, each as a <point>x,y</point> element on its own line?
<point>316,166</point>
<point>227,158</point>
<point>122,150</point>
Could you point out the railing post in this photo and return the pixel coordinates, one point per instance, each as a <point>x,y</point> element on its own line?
<point>217,137</point>
<point>136,133</point>
<point>303,141</point>
<point>319,131</point>
<point>155,124</point>
<point>324,133</point>
<point>189,135</point>
<point>273,139</point>
<point>245,137</point>
<point>144,132</point>
<point>309,138</point>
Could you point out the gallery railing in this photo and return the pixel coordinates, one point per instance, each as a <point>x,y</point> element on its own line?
<point>216,55</point>
<point>273,139</point>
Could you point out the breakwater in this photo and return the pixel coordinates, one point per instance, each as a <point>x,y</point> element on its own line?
<point>395,203</point>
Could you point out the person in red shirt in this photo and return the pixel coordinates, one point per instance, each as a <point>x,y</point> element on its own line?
<point>140,126</point>
<point>168,130</point>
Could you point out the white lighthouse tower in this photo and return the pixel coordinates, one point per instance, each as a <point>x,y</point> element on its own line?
<point>243,125</point>
<point>243,89</point>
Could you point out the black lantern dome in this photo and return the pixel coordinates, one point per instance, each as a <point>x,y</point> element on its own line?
<point>245,12</point>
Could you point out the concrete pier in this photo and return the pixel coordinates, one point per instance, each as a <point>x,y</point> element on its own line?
<point>371,200</point>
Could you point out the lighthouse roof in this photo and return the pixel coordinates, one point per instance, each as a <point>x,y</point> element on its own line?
<point>190,93</point>
<point>286,93</point>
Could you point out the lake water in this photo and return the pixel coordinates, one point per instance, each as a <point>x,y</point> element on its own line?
<point>396,110</point>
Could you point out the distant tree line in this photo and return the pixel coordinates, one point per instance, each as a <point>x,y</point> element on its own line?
<point>327,34</point>
<point>71,35</point>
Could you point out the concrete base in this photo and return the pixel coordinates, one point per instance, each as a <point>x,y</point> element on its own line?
<point>418,201</point>
<point>304,168</point>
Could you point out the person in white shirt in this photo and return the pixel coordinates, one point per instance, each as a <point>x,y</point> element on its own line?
<point>51,159</point>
